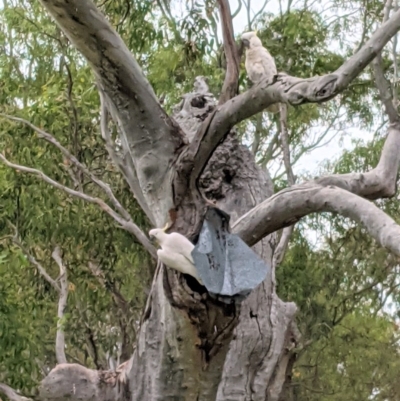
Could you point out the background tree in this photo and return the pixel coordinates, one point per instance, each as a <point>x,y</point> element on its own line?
<point>189,346</point>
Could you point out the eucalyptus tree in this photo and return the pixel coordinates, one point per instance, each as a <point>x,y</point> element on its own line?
<point>177,165</point>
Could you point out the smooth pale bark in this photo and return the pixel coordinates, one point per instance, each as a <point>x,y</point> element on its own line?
<point>341,194</point>
<point>149,137</point>
<point>289,206</point>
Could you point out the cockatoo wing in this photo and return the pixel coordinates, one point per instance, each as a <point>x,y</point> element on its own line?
<point>178,262</point>
<point>259,64</point>
<point>256,72</point>
<point>268,63</point>
<point>180,244</point>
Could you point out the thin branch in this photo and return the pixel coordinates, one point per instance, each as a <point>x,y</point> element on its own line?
<point>248,12</point>
<point>285,89</point>
<point>11,394</point>
<point>76,144</point>
<point>257,134</point>
<point>118,297</point>
<point>380,81</point>
<point>236,13</point>
<point>170,19</point>
<point>258,13</point>
<point>281,248</point>
<point>127,225</point>
<point>272,146</point>
<point>285,144</point>
<point>230,86</point>
<point>51,139</point>
<point>42,271</point>
<point>62,304</point>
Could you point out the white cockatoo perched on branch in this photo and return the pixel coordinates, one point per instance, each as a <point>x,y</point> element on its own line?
<point>259,63</point>
<point>175,252</point>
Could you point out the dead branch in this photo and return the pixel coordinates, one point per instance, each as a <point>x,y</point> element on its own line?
<point>62,304</point>
<point>127,225</point>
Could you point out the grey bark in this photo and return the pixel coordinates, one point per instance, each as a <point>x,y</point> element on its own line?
<point>191,347</point>
<point>149,136</point>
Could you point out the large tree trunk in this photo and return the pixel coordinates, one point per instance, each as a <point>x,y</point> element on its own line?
<point>190,346</point>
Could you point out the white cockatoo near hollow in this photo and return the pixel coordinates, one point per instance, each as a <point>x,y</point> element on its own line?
<point>259,63</point>
<point>175,252</point>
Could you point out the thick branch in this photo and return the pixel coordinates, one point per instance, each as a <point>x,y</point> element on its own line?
<point>289,206</point>
<point>379,182</point>
<point>150,136</point>
<point>285,89</point>
<point>124,164</point>
<point>127,225</point>
<point>12,394</point>
<point>62,304</point>
<point>230,87</point>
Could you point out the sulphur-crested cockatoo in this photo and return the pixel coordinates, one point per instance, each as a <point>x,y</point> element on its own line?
<point>175,252</point>
<point>259,62</point>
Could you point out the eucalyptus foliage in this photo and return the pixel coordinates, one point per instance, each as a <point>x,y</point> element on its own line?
<point>342,284</point>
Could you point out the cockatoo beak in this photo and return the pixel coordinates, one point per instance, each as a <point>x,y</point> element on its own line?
<point>246,42</point>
